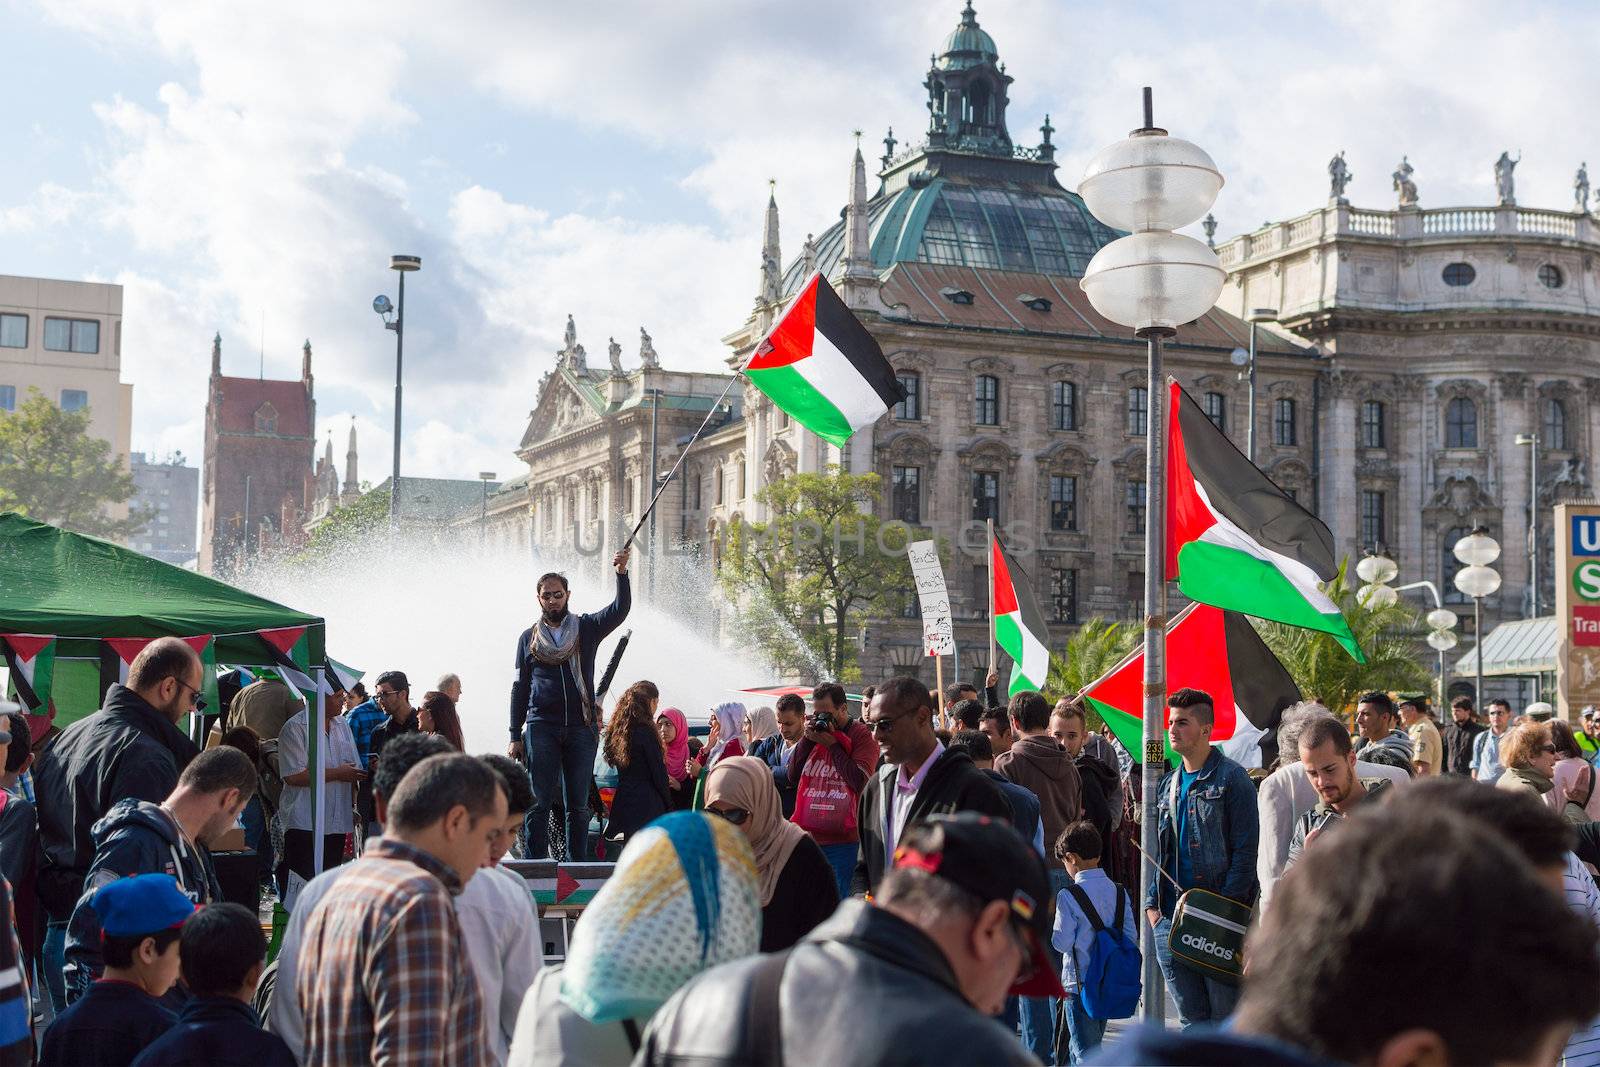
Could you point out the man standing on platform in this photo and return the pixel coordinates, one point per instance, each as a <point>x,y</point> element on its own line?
<point>554,722</point>
<point>1459,736</point>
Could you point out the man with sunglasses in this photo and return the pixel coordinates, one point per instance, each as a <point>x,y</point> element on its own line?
<point>131,748</point>
<point>917,777</point>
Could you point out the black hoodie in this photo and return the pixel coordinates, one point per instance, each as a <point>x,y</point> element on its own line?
<point>127,749</point>
<point>136,837</point>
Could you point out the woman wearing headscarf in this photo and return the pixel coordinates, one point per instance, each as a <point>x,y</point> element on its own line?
<point>798,887</point>
<point>724,741</point>
<point>634,747</point>
<point>760,727</point>
<point>683,899</point>
<point>673,729</point>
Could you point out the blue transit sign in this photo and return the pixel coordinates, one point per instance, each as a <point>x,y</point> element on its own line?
<point>1586,535</point>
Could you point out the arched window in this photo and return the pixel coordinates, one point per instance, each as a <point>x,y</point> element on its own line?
<point>743,483</point>
<point>986,400</point>
<point>721,485</point>
<point>1063,406</point>
<point>1555,424</point>
<point>1447,574</point>
<point>1461,423</point>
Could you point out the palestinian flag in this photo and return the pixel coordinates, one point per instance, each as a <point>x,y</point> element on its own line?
<point>821,366</point>
<point>1019,625</point>
<point>1237,541</point>
<point>31,659</point>
<point>1216,651</point>
<point>118,653</point>
<point>290,651</point>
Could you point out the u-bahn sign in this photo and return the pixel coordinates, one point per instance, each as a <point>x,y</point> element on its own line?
<point>1577,563</point>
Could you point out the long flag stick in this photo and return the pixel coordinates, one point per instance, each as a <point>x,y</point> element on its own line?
<point>990,524</point>
<point>683,455</point>
<point>611,668</point>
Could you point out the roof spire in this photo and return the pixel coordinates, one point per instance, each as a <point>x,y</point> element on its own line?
<point>305,361</point>
<point>857,249</point>
<point>216,355</point>
<point>771,291</point>
<point>351,485</point>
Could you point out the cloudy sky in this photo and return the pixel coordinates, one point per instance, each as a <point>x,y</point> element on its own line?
<point>248,168</point>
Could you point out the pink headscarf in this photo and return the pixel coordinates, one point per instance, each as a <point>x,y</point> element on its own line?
<point>678,750</point>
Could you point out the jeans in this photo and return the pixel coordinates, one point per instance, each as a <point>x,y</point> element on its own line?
<point>1077,1035</point>
<point>1038,1031</point>
<point>1200,999</point>
<point>842,858</point>
<point>561,762</point>
<point>53,963</point>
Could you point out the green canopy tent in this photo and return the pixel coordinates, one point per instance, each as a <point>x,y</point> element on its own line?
<point>97,599</point>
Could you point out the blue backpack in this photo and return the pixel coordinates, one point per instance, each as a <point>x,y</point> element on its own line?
<point>1109,983</point>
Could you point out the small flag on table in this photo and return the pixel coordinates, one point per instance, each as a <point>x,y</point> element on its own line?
<point>1237,541</point>
<point>1212,650</point>
<point>1019,625</point>
<point>822,367</point>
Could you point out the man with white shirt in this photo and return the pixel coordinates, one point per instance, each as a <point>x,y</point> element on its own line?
<point>499,925</point>
<point>1287,793</point>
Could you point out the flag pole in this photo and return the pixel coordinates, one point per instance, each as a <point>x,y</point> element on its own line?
<point>990,524</point>
<point>682,455</point>
<point>1153,759</point>
<point>938,680</point>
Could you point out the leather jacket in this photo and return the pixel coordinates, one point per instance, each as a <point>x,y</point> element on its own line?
<point>866,987</point>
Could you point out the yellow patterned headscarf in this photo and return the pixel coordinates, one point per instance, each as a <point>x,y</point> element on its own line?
<point>684,898</point>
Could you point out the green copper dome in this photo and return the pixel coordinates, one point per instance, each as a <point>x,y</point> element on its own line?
<point>968,45</point>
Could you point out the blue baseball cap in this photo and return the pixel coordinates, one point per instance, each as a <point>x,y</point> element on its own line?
<point>142,904</point>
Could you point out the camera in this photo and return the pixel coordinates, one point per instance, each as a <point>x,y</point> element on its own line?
<point>821,722</point>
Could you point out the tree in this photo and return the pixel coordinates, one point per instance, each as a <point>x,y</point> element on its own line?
<point>346,525</point>
<point>53,470</point>
<point>1091,652</point>
<point>822,560</point>
<point>1324,671</point>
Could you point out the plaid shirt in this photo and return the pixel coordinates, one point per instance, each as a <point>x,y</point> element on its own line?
<point>362,720</point>
<point>383,976</point>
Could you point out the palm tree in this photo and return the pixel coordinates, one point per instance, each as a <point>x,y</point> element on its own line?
<point>1089,653</point>
<point>1324,671</point>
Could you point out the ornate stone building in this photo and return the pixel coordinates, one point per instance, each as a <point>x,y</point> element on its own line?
<point>1023,404</point>
<point>1447,332</point>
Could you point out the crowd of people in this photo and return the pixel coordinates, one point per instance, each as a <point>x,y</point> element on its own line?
<point>916,877</point>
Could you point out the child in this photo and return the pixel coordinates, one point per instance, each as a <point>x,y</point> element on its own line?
<point>140,919</point>
<point>1078,848</point>
<point>223,953</point>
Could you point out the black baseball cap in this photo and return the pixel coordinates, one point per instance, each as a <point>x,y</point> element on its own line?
<point>989,859</point>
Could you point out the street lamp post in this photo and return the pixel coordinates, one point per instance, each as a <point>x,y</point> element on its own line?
<point>483,519</point>
<point>1257,315</point>
<point>403,264</point>
<point>1531,440</point>
<point>1152,281</point>
<point>655,407</point>
<point>1477,580</point>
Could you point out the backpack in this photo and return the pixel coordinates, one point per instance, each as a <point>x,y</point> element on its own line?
<point>1109,983</point>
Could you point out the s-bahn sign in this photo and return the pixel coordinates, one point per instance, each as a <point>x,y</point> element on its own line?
<point>1577,573</point>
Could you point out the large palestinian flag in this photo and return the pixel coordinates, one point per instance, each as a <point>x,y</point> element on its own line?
<point>1237,541</point>
<point>1216,651</point>
<point>821,366</point>
<point>1019,625</point>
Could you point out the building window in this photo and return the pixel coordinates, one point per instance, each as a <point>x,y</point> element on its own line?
<point>74,400</point>
<point>696,491</point>
<point>721,486</point>
<point>986,495</point>
<point>986,401</point>
<point>1216,406</point>
<point>1372,424</point>
<point>980,590</point>
<point>627,496</point>
<point>906,498</point>
<point>1063,502</point>
<point>909,409</point>
<point>1063,406</point>
<point>8,398</point>
<point>1373,533</point>
<point>1447,575</point>
<point>783,419</point>
<point>744,484</point>
<point>1135,504</point>
<point>1461,423</point>
<point>13,331</point>
<point>1138,410</point>
<point>72,335</point>
<point>1459,274</point>
<point>1555,424</point>
<point>1063,595</point>
<point>1550,276</point>
<point>1284,430</point>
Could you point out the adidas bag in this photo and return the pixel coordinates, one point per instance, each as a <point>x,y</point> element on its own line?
<point>1208,934</point>
<point>1108,985</point>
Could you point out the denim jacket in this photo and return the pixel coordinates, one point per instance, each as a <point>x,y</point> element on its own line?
<point>1221,832</point>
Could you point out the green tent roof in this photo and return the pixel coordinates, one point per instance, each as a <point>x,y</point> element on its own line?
<point>72,586</point>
